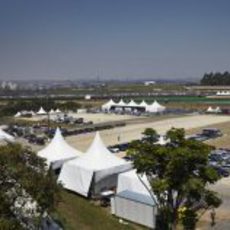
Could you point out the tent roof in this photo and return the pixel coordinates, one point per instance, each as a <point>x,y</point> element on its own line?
<point>98,157</point>
<point>155,107</point>
<point>32,112</point>
<point>129,181</point>
<point>156,104</point>
<point>121,103</point>
<point>217,109</point>
<point>58,110</point>
<point>51,111</point>
<point>5,136</point>
<point>41,111</point>
<point>109,103</point>
<point>133,103</point>
<point>18,114</point>
<point>210,109</point>
<point>143,104</point>
<point>58,149</point>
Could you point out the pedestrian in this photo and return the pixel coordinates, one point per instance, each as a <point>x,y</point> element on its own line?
<point>118,138</point>
<point>213,217</point>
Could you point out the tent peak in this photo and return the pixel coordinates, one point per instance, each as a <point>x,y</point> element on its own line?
<point>97,146</point>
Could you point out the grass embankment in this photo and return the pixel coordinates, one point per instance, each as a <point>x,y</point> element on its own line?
<point>78,213</point>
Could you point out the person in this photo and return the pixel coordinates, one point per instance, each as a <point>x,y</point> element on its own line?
<point>118,138</point>
<point>213,217</point>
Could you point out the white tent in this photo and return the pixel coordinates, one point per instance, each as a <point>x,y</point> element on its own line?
<point>32,113</point>
<point>52,111</point>
<point>5,136</point>
<point>18,114</point>
<point>41,111</point>
<point>130,181</point>
<point>210,110</point>
<point>143,104</point>
<point>162,140</point>
<point>122,103</point>
<point>58,151</point>
<point>155,107</point>
<point>57,111</point>
<point>133,201</point>
<point>217,110</point>
<point>108,105</point>
<point>97,169</point>
<point>132,103</point>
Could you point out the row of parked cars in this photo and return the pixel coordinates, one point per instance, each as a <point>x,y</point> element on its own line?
<point>220,160</point>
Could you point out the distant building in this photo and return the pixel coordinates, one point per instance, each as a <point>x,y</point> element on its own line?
<point>87,97</point>
<point>146,83</point>
<point>9,85</point>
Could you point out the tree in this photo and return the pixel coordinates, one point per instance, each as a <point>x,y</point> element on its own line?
<point>178,173</point>
<point>216,78</point>
<point>28,190</point>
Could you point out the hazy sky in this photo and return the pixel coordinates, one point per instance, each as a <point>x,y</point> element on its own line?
<point>73,39</point>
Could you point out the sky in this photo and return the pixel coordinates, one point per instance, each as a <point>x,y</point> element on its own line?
<point>113,39</point>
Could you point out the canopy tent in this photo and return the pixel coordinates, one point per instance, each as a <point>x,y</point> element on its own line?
<point>132,103</point>
<point>108,105</point>
<point>32,113</point>
<point>210,110</point>
<point>143,104</point>
<point>217,110</point>
<point>97,169</point>
<point>58,151</point>
<point>41,111</point>
<point>52,111</point>
<point>134,200</point>
<point>18,114</point>
<point>5,136</point>
<point>121,103</point>
<point>57,111</point>
<point>132,182</point>
<point>155,107</point>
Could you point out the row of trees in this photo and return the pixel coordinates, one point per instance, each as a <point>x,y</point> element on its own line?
<point>14,106</point>
<point>216,79</point>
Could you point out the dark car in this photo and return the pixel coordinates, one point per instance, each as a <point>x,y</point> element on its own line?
<point>123,147</point>
<point>198,137</point>
<point>221,171</point>
<point>40,141</point>
<point>211,132</point>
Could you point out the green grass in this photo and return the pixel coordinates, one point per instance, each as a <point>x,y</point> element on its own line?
<point>78,213</point>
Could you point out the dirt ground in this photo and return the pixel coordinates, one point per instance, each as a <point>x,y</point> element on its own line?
<point>134,131</point>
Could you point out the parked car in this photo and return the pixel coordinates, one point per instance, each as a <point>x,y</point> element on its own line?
<point>211,132</point>
<point>114,149</point>
<point>221,171</point>
<point>198,137</point>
